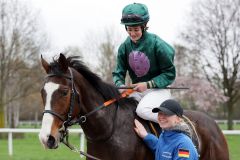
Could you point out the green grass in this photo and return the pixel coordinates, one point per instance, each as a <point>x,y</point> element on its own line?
<point>234,146</point>
<point>233,142</point>
<point>29,148</point>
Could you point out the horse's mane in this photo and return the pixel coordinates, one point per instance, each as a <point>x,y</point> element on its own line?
<point>107,90</point>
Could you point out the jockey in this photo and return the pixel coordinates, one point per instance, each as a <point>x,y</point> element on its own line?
<point>147,58</point>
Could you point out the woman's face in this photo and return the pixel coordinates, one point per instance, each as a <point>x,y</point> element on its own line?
<point>134,32</point>
<point>166,121</point>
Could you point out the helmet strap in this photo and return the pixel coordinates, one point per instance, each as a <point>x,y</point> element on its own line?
<point>144,27</point>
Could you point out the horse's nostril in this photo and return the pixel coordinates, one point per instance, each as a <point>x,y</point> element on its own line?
<point>51,142</point>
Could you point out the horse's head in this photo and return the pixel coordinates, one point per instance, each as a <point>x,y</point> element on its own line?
<point>71,93</point>
<point>56,95</point>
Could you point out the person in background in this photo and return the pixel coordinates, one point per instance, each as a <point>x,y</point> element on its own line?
<point>147,58</point>
<point>174,142</point>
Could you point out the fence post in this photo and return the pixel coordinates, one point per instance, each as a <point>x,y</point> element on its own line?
<point>234,123</point>
<point>10,144</point>
<point>82,141</point>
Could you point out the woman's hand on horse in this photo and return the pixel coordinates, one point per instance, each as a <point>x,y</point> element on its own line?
<point>140,87</point>
<point>139,129</point>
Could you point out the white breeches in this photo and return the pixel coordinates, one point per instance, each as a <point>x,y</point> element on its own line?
<point>148,100</point>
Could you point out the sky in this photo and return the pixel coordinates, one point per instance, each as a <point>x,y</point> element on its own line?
<point>68,21</point>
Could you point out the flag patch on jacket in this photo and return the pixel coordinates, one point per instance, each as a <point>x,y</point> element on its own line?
<point>183,153</point>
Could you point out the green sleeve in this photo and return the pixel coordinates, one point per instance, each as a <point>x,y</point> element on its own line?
<point>120,70</point>
<point>165,55</point>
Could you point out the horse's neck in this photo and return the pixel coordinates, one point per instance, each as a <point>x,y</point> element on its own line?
<point>100,124</point>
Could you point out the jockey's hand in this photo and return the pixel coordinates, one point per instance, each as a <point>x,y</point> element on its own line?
<point>140,87</point>
<point>139,129</point>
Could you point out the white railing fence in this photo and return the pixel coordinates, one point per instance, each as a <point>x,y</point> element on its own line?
<point>223,121</point>
<point>31,123</point>
<point>10,132</point>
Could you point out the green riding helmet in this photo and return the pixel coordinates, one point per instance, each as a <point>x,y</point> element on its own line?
<point>135,14</point>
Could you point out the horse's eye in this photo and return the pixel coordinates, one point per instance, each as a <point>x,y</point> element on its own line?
<point>64,93</point>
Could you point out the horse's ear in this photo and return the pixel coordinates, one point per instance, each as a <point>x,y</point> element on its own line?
<point>62,60</point>
<point>45,65</point>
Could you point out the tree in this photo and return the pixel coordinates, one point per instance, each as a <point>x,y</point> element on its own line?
<point>189,74</point>
<point>21,40</point>
<point>72,51</point>
<point>187,62</point>
<point>102,52</point>
<point>107,59</point>
<point>200,94</point>
<point>214,33</point>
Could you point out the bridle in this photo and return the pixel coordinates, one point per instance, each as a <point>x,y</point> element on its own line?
<point>69,121</point>
<point>74,93</point>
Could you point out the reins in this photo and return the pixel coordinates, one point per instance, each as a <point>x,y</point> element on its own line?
<point>126,93</point>
<point>74,149</point>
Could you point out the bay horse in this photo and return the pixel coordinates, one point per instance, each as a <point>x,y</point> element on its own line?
<point>72,92</point>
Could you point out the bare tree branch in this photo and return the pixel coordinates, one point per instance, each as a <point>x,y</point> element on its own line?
<point>215,30</point>
<point>21,40</point>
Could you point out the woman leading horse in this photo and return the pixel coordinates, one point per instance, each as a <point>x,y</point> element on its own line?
<point>71,91</point>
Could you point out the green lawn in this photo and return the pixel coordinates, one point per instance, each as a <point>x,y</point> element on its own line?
<point>234,146</point>
<point>233,142</point>
<point>29,148</point>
